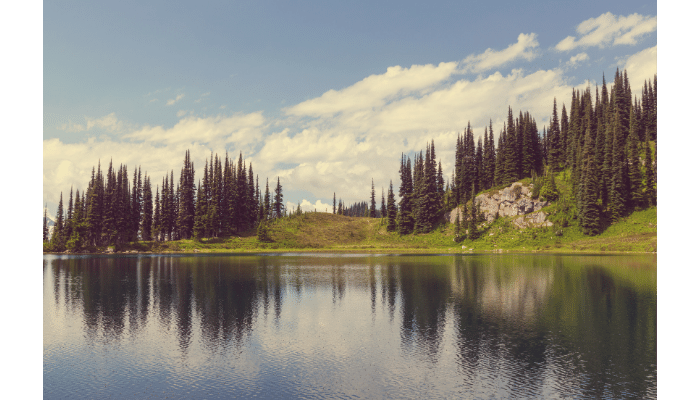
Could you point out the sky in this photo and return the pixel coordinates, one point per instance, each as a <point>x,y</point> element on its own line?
<point>324,95</point>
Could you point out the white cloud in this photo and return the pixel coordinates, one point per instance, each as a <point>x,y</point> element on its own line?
<point>375,90</point>
<point>523,49</point>
<point>640,67</point>
<point>108,123</point>
<point>239,129</point>
<point>577,59</point>
<point>175,100</point>
<point>342,151</point>
<point>609,30</point>
<point>202,96</point>
<point>307,206</point>
<point>70,164</point>
<point>181,113</point>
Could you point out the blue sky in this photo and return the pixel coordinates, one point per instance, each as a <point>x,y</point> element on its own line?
<point>325,95</point>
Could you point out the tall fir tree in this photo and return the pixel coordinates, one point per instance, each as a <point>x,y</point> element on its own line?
<point>391,209</point>
<point>57,239</point>
<point>278,206</point>
<point>147,220</point>
<point>471,226</point>
<point>404,219</point>
<point>589,213</point>
<point>636,194</point>
<point>649,183</point>
<point>373,203</point>
<point>383,206</point>
<point>46,227</point>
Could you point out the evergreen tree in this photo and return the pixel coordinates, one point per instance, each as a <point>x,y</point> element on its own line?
<point>57,239</point>
<point>278,206</point>
<point>263,232</point>
<point>649,183</point>
<point>333,202</point>
<point>636,195</point>
<point>554,134</point>
<point>200,214</point>
<point>549,191</point>
<point>266,202</point>
<point>404,218</point>
<point>391,209</point>
<point>383,207</point>
<point>373,203</point>
<point>473,234</point>
<point>46,228</point>
<point>186,211</point>
<point>458,229</point>
<point>618,195</point>
<point>157,219</point>
<point>589,213</point>
<point>147,221</point>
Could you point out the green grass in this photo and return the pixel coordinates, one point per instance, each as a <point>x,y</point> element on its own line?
<point>336,233</point>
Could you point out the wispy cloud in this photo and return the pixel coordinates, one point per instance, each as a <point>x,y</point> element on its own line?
<point>641,66</point>
<point>239,129</point>
<point>175,100</point>
<point>609,30</point>
<point>108,123</point>
<point>525,48</point>
<point>577,59</point>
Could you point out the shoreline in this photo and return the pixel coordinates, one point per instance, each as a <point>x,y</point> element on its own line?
<point>384,251</point>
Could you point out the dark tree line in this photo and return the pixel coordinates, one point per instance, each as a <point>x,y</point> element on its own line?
<point>604,144</point>
<point>114,211</point>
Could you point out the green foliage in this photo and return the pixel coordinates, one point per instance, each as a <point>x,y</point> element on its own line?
<point>458,230</point>
<point>263,233</point>
<point>548,191</point>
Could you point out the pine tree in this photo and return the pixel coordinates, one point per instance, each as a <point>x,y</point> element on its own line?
<point>157,219</point>
<point>554,134</point>
<point>278,206</point>
<point>649,183</point>
<point>147,221</point>
<point>458,229</point>
<point>636,195</point>
<point>333,202</point>
<point>404,218</point>
<point>589,213</point>
<point>57,239</point>
<point>373,203</point>
<point>383,207</point>
<point>46,228</point>
<point>549,191</point>
<point>391,209</point>
<point>473,234</point>
<point>200,215</point>
<point>266,203</point>
<point>618,194</point>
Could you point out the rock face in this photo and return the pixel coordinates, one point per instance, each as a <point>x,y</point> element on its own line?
<point>512,201</point>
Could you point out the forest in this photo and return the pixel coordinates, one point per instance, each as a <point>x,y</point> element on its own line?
<point>604,147</point>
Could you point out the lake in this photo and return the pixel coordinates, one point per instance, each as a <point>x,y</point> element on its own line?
<point>349,326</point>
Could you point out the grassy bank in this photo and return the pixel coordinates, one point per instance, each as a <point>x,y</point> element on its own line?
<point>336,233</point>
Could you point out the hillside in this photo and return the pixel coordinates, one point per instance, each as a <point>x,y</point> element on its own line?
<point>337,233</point>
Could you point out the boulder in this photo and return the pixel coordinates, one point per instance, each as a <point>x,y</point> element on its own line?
<point>509,202</point>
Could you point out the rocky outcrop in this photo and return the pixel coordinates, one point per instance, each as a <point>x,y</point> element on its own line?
<point>515,200</point>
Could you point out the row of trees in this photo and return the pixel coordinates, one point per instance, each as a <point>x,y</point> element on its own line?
<point>113,211</point>
<point>606,143</point>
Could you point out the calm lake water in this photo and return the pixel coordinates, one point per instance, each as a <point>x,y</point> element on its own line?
<point>349,326</point>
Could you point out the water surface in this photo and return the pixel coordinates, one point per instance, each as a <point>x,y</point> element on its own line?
<point>367,326</point>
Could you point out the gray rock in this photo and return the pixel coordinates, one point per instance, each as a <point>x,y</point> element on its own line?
<point>509,202</point>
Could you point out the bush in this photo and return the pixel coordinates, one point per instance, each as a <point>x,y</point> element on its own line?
<point>263,232</point>
<point>549,191</point>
